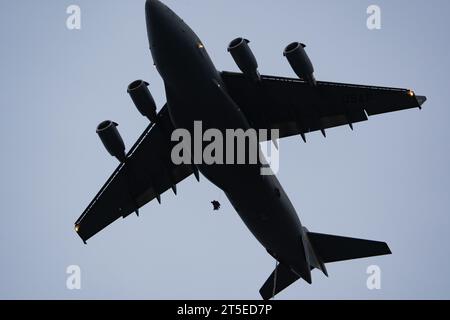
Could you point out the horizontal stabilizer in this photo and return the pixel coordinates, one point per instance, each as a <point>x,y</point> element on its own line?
<point>284,278</point>
<point>330,248</point>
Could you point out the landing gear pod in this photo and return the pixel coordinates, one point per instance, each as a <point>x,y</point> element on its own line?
<point>113,142</point>
<point>300,62</point>
<point>142,98</point>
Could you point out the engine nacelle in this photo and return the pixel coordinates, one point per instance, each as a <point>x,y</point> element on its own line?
<point>113,142</point>
<point>143,99</point>
<point>300,62</point>
<point>244,58</point>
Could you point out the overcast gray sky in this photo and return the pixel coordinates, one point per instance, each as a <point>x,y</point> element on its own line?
<point>388,180</point>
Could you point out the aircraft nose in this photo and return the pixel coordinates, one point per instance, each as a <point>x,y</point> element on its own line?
<point>166,35</point>
<point>156,16</point>
<point>152,6</point>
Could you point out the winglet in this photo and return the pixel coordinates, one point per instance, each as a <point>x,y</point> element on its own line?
<point>421,100</point>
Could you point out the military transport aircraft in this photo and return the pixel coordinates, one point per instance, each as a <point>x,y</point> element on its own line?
<point>197,91</point>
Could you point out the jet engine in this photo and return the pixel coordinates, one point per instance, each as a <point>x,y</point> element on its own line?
<point>244,58</point>
<point>113,142</point>
<point>300,62</point>
<point>142,98</point>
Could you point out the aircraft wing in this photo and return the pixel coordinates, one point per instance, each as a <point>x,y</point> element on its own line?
<point>294,107</point>
<point>147,173</point>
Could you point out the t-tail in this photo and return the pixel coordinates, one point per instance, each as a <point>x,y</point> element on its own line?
<point>321,249</point>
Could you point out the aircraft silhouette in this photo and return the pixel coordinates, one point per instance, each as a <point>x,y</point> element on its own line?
<point>197,91</point>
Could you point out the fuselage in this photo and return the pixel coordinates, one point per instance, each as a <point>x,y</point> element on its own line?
<point>196,92</point>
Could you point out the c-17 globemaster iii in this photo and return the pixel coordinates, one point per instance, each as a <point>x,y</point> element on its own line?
<point>197,91</point>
